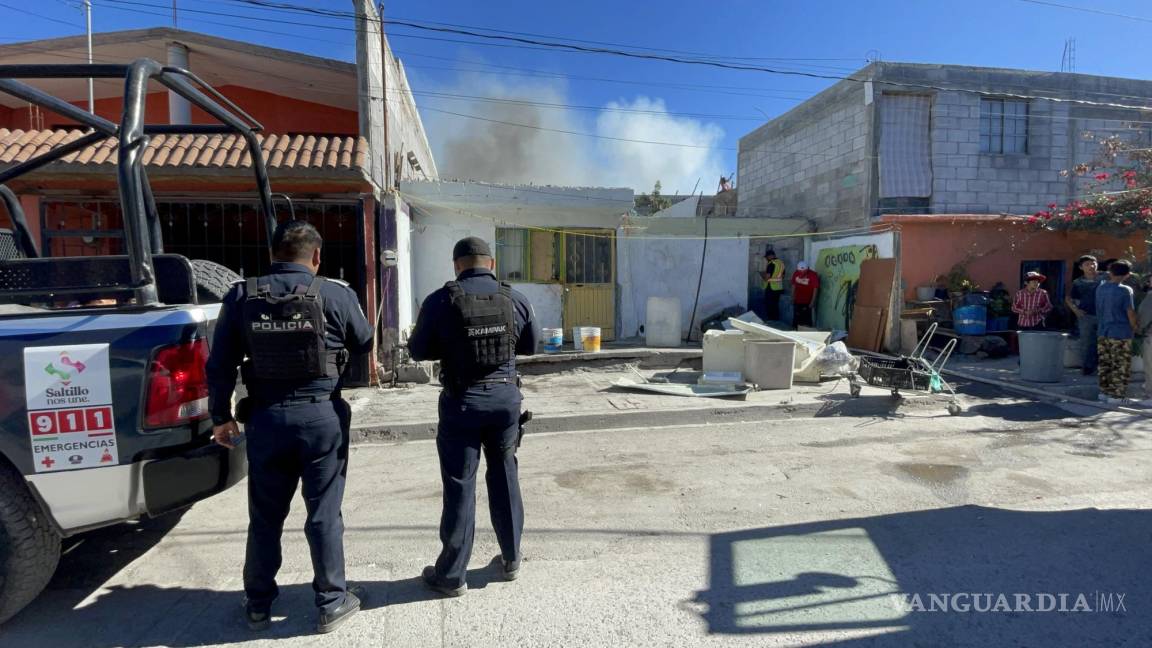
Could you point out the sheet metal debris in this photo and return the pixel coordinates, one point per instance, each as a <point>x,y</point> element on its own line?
<point>677,389</point>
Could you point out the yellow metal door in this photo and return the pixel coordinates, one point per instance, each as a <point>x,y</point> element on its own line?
<point>590,281</point>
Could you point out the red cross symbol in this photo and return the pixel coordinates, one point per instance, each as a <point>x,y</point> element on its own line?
<point>48,462</point>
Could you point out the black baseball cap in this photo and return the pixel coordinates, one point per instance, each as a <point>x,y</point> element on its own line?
<point>471,246</point>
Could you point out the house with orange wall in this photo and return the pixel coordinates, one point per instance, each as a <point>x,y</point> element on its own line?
<point>998,248</point>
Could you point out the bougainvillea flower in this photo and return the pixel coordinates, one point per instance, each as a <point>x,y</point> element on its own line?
<point>1101,176</point>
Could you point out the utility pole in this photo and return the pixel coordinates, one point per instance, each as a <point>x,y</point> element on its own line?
<point>174,25</point>
<point>88,20</point>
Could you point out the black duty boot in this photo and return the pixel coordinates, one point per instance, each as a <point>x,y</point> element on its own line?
<point>259,617</point>
<point>511,569</point>
<point>434,584</point>
<point>329,621</point>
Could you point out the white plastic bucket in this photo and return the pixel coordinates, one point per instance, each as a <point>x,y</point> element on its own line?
<point>553,339</point>
<point>586,338</point>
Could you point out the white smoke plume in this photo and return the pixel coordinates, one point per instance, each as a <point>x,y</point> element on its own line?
<point>492,152</point>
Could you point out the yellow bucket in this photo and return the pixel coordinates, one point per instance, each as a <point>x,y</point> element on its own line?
<point>589,337</point>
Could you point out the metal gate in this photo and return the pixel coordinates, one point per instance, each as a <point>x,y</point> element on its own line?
<point>230,233</point>
<point>589,280</point>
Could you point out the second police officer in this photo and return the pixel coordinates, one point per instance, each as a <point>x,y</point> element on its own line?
<point>475,326</point>
<point>296,330</point>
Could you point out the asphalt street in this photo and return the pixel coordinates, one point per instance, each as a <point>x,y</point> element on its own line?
<point>790,532</point>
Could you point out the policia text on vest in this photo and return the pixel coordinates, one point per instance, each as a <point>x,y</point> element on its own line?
<point>289,334</point>
<point>475,326</point>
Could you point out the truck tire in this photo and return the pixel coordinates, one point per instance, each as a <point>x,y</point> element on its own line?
<point>212,281</point>
<point>29,546</point>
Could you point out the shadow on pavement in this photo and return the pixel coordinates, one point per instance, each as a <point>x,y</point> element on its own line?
<point>867,574</point>
<point>184,616</point>
<point>1019,412</point>
<point>90,559</point>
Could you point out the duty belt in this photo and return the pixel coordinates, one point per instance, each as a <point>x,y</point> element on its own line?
<point>459,386</point>
<point>296,398</point>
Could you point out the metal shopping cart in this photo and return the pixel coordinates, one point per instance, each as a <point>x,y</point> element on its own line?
<point>912,372</point>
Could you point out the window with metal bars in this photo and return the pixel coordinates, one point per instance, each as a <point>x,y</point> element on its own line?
<point>527,255</point>
<point>1003,126</point>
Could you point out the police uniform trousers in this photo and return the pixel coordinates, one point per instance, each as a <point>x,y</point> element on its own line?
<point>289,443</point>
<point>484,417</point>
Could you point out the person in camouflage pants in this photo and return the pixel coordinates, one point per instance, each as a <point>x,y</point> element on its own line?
<point>1116,327</point>
<point>1115,366</point>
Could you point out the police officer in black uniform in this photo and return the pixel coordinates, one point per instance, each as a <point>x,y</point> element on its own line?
<point>475,326</point>
<point>291,333</point>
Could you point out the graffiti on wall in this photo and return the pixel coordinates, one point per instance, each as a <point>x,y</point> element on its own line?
<point>839,270</point>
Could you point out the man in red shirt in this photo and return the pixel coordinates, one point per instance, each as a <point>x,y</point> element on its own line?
<point>805,285</point>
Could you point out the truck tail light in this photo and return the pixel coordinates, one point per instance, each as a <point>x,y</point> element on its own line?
<point>177,386</point>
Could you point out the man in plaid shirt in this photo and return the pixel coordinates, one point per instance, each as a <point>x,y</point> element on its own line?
<point>1031,303</point>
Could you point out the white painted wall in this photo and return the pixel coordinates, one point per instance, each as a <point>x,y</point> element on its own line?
<point>684,209</point>
<point>670,267</point>
<point>405,129</point>
<point>547,302</point>
<point>406,310</point>
<point>433,236</point>
<point>444,212</point>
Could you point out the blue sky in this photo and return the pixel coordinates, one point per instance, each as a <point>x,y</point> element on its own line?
<point>707,107</point>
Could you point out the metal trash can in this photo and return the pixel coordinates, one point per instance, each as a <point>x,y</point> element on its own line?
<point>1042,355</point>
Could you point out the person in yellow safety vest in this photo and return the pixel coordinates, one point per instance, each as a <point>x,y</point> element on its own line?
<point>773,276</point>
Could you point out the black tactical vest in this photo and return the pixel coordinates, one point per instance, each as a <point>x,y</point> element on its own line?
<point>285,333</point>
<point>487,333</point>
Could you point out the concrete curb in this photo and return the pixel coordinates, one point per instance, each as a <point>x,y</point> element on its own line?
<point>720,415</point>
<point>1046,395</point>
<point>645,358</point>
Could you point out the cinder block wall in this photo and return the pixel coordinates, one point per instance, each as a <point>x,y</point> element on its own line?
<point>966,181</point>
<point>1061,134</point>
<point>811,162</point>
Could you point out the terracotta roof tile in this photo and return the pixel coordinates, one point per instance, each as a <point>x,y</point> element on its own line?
<point>278,146</point>
<point>219,156</point>
<point>293,151</point>
<point>194,151</point>
<point>319,153</point>
<point>235,154</point>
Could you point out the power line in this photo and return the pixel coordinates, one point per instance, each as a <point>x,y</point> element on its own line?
<point>333,13</point>
<point>1099,12</point>
<point>718,89</point>
<point>41,16</point>
<point>690,61</point>
<point>314,25</point>
<point>335,90</point>
<point>656,57</point>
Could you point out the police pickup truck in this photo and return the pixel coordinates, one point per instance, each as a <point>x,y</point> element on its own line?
<point>103,397</point>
